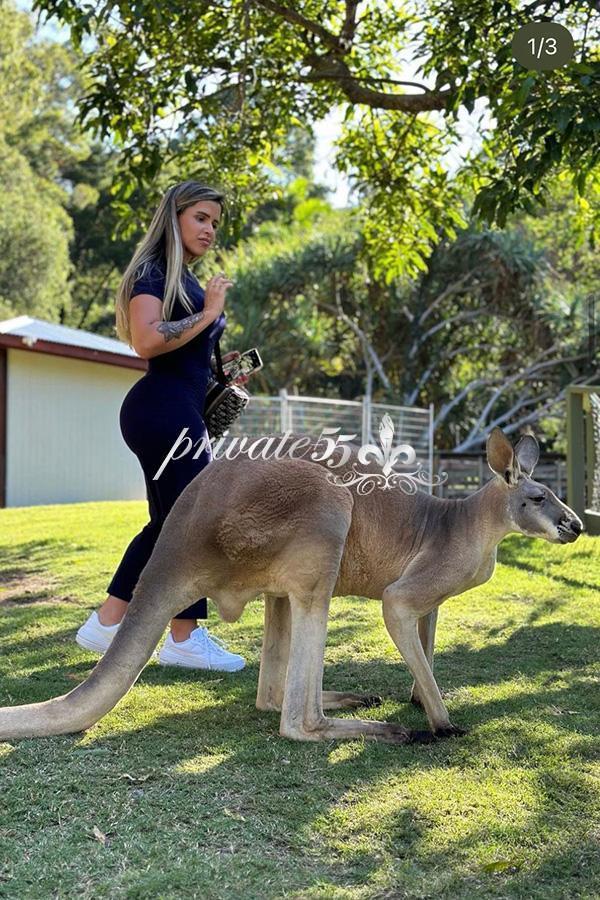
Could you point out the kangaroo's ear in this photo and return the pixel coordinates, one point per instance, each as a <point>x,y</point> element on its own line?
<point>500,456</point>
<point>527,451</point>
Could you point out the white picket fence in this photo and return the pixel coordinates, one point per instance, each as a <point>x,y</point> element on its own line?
<point>309,415</point>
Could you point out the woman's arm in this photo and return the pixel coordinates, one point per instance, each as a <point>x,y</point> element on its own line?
<point>150,336</point>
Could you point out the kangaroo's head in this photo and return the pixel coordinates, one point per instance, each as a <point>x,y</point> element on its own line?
<point>533,509</point>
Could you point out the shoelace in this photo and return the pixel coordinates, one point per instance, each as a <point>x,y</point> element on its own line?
<point>219,645</point>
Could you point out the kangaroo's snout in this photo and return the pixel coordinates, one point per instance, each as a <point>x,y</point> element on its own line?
<point>569,528</point>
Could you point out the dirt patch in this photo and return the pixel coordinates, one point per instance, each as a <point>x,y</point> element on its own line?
<point>17,590</point>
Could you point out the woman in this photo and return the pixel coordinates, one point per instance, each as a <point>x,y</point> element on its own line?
<point>163,313</point>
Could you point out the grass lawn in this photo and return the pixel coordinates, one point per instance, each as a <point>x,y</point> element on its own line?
<point>186,790</point>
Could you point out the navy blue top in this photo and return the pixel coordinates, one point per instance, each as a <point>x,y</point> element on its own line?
<point>191,362</point>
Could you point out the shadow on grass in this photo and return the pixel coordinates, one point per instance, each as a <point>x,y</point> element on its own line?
<point>264,800</point>
<point>265,793</point>
<point>264,803</point>
<point>558,651</point>
<point>521,869</point>
<point>515,553</point>
<point>29,557</point>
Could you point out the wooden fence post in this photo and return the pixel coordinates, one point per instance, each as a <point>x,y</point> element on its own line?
<point>575,453</point>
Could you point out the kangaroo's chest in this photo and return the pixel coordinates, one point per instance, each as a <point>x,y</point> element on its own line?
<point>483,571</point>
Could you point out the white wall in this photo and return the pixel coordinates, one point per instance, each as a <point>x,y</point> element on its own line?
<point>63,441</point>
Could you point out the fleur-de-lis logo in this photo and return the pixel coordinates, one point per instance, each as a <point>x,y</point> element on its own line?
<point>387,455</point>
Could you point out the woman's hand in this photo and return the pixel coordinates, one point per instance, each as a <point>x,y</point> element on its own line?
<point>214,294</point>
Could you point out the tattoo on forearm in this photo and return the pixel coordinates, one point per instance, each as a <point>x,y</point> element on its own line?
<point>173,330</point>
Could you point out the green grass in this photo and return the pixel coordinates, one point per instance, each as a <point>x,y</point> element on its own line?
<point>186,790</point>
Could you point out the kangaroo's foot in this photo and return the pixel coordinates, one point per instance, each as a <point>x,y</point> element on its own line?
<point>348,700</point>
<point>346,729</point>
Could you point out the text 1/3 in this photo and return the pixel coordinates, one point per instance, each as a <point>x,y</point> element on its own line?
<point>544,45</point>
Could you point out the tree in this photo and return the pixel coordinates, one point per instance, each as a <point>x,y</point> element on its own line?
<point>492,333</point>
<point>37,139</point>
<point>497,335</point>
<point>217,85</point>
<point>98,252</point>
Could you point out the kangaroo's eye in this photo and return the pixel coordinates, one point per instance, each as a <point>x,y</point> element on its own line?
<point>538,499</point>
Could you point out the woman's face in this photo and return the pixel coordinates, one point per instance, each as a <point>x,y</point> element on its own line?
<point>198,226</point>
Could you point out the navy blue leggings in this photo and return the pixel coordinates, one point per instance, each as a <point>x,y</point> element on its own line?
<point>150,430</point>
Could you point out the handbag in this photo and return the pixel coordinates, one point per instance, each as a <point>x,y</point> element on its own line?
<point>224,402</point>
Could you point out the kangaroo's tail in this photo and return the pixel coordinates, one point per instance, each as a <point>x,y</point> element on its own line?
<point>154,601</point>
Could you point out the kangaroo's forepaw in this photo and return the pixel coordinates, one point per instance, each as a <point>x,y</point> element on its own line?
<point>450,731</point>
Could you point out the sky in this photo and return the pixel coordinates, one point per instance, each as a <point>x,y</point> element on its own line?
<point>328,128</point>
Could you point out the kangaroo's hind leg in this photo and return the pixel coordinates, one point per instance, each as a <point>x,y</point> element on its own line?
<point>274,663</point>
<point>302,716</point>
<point>275,653</point>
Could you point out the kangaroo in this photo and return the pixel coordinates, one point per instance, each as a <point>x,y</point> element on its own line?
<point>281,528</point>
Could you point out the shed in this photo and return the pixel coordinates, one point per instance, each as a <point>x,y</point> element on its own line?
<point>60,394</point>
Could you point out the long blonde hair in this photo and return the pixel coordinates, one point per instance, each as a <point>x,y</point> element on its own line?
<point>162,241</point>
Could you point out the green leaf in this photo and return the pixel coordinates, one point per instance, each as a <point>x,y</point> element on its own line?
<point>523,92</point>
<point>561,117</point>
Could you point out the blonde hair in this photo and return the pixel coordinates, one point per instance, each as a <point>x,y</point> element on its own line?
<point>162,241</point>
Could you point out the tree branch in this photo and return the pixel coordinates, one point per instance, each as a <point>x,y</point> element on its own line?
<point>95,295</point>
<point>331,67</point>
<point>346,35</point>
<point>411,399</point>
<point>367,346</point>
<point>452,288</point>
<point>516,407</point>
<point>370,78</point>
<point>296,18</point>
<point>525,374</point>
<point>532,417</point>
<point>537,413</point>
<point>447,407</point>
<point>461,316</point>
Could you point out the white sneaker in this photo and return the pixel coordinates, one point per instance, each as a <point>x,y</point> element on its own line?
<point>94,636</point>
<point>200,651</point>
